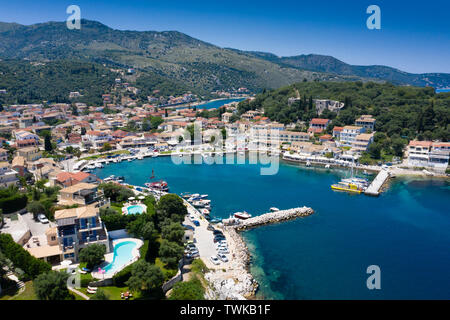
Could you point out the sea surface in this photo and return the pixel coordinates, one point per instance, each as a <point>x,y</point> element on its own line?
<point>217,103</point>
<point>442,90</point>
<point>405,231</point>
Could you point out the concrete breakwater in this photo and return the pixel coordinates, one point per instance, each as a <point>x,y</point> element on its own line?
<point>237,283</point>
<point>273,217</point>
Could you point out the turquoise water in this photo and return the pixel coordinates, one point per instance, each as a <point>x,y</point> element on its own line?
<point>405,231</point>
<point>122,255</point>
<point>217,103</point>
<point>136,209</point>
<point>442,90</point>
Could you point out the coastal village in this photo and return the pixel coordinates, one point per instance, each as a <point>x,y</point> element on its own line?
<point>51,150</point>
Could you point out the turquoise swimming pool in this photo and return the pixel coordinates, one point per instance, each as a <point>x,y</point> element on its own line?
<point>123,254</point>
<point>135,209</point>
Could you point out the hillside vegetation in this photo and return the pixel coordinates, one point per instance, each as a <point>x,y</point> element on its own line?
<point>408,112</point>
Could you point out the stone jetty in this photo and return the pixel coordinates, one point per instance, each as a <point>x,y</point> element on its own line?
<point>273,217</point>
<point>236,281</point>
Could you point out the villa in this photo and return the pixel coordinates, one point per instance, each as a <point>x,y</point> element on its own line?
<point>366,121</point>
<point>81,194</point>
<point>78,228</point>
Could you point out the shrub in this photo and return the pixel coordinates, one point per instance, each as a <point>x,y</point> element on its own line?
<point>122,276</point>
<point>21,258</point>
<point>92,254</point>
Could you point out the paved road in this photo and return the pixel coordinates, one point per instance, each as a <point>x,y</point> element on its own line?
<point>204,240</point>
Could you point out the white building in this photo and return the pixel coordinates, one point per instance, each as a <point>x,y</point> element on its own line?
<point>433,155</point>
<point>349,133</point>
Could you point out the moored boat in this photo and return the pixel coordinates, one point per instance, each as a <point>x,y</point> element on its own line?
<point>242,215</point>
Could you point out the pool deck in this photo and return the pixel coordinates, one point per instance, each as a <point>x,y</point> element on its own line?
<point>109,257</point>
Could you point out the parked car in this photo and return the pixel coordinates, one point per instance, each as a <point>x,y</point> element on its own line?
<point>217,239</point>
<point>42,218</point>
<point>223,250</point>
<point>217,232</point>
<point>214,260</point>
<point>192,217</point>
<point>210,227</point>
<point>222,257</point>
<point>197,224</point>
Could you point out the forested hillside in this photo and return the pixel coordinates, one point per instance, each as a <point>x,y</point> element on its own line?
<point>408,112</point>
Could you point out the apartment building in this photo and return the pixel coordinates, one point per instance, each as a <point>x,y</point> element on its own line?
<point>434,155</point>
<point>362,142</point>
<point>349,133</point>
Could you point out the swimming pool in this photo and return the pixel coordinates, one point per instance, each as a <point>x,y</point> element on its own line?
<point>135,209</point>
<point>123,254</point>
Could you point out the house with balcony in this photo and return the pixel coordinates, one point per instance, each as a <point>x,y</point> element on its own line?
<point>79,227</point>
<point>318,125</point>
<point>81,194</point>
<point>349,133</point>
<point>362,142</point>
<point>8,176</point>
<point>30,154</point>
<point>428,154</point>
<point>366,121</point>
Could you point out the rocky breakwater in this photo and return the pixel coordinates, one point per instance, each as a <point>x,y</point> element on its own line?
<point>235,282</point>
<point>273,217</point>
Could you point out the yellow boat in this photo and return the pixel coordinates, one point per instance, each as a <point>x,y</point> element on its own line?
<point>348,187</point>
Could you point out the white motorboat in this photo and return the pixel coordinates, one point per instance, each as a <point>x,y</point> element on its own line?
<point>273,209</point>
<point>242,215</point>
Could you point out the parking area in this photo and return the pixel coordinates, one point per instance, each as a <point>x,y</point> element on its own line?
<point>36,228</point>
<point>204,240</point>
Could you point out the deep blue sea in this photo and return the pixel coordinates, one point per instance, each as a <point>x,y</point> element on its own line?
<point>405,231</point>
<point>217,103</point>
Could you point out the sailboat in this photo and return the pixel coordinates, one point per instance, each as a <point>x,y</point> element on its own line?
<point>352,184</point>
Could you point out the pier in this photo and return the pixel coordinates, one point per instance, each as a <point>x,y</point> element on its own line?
<point>273,217</point>
<point>377,183</point>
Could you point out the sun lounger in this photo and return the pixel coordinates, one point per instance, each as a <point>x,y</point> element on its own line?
<point>91,291</point>
<point>92,288</point>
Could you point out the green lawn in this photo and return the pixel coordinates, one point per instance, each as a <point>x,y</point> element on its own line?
<point>27,294</point>
<point>112,292</point>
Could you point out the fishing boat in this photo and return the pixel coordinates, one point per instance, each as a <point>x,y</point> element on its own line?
<point>242,215</point>
<point>204,211</point>
<point>216,220</point>
<point>158,185</point>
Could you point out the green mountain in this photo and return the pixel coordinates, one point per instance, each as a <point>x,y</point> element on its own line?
<point>329,64</point>
<point>176,58</point>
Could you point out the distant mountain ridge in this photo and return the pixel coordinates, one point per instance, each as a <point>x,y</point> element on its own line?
<point>178,57</point>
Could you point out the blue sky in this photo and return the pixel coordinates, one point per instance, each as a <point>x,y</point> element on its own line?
<point>414,35</point>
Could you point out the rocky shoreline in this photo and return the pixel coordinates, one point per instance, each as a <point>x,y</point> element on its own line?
<point>237,283</point>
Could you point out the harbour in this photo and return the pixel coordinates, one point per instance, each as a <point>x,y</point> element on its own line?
<point>410,214</point>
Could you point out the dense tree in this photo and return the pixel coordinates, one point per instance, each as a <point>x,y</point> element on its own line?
<point>170,252</point>
<point>145,277</point>
<point>92,254</point>
<point>35,208</point>
<point>52,286</point>
<point>48,143</point>
<point>188,290</point>
<point>171,207</point>
<point>173,232</point>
